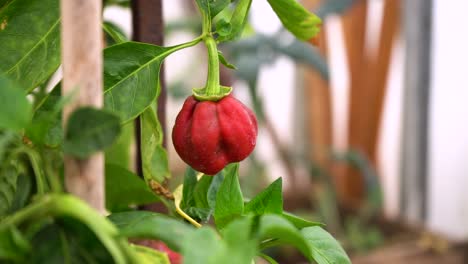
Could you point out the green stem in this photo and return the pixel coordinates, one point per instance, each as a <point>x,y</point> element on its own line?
<point>35,210</point>
<point>268,258</point>
<point>212,89</point>
<point>184,45</point>
<point>65,248</point>
<point>206,26</point>
<point>40,184</point>
<point>270,243</point>
<point>68,205</point>
<point>53,180</point>
<point>212,83</point>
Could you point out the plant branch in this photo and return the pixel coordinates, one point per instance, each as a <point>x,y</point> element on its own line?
<point>212,82</point>
<point>67,205</point>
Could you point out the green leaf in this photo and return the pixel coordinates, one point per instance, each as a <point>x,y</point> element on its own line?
<point>30,41</point>
<point>201,209</point>
<point>204,6</point>
<point>16,110</point>
<point>282,232</point>
<point>299,222</point>
<point>154,156</point>
<point>213,190</point>
<point>236,247</point>
<point>46,126</point>
<point>160,162</point>
<point>200,193</point>
<point>241,247</point>
<point>90,130</point>
<point>300,52</point>
<point>3,2</point>
<point>67,241</point>
<point>212,7</point>
<point>150,256</point>
<point>141,224</point>
<point>237,22</point>
<point>190,181</point>
<point>119,152</point>
<point>199,214</point>
<point>24,183</point>
<point>269,200</point>
<point>223,60</point>
<point>324,249</point>
<point>202,246</point>
<point>196,205</point>
<point>229,200</point>
<point>217,6</point>
<point>223,28</point>
<point>303,24</point>
<point>7,139</point>
<point>200,196</point>
<point>69,207</point>
<point>131,77</point>
<point>13,245</point>
<point>83,243</point>
<point>8,187</point>
<point>313,242</point>
<point>123,188</point>
<point>113,34</point>
<point>57,248</point>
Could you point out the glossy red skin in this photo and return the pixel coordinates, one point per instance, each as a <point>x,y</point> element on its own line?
<point>209,135</point>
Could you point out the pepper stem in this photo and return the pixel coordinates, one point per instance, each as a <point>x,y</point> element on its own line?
<point>213,91</point>
<point>212,81</point>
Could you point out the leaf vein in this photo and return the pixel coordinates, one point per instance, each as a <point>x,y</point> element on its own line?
<point>35,46</point>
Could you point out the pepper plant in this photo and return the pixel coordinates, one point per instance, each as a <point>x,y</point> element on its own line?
<point>41,223</point>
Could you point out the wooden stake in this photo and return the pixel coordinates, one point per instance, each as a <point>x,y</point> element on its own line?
<point>350,184</point>
<point>376,85</point>
<point>82,45</point>
<point>148,27</point>
<point>368,76</point>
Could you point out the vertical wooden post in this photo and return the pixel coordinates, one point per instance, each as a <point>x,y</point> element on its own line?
<point>82,75</point>
<point>350,184</point>
<point>368,89</point>
<point>417,21</point>
<point>376,85</point>
<point>148,27</point>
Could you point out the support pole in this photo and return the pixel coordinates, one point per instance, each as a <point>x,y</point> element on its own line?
<point>417,25</point>
<point>368,91</point>
<point>148,27</point>
<point>350,185</point>
<point>82,44</point>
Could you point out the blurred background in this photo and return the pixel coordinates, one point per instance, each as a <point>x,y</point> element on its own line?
<point>366,124</point>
